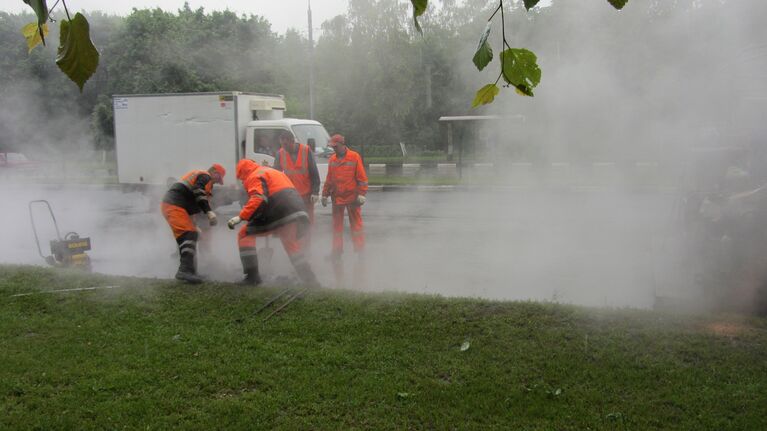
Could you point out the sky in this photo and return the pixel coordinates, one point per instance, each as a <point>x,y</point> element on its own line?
<point>283,14</point>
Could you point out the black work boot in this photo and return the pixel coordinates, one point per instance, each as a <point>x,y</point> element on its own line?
<point>187,269</point>
<point>306,274</point>
<point>252,278</point>
<point>250,268</point>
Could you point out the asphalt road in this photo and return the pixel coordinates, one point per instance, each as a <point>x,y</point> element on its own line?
<point>596,248</point>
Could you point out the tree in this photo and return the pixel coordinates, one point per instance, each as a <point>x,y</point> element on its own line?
<point>78,58</point>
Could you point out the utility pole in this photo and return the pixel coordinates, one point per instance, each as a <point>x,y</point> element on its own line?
<point>311,64</point>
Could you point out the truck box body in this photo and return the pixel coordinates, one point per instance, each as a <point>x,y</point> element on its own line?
<point>159,137</point>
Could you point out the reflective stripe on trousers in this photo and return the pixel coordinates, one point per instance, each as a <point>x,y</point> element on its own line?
<point>188,246</point>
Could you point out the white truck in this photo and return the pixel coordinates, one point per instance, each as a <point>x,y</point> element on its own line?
<point>159,137</point>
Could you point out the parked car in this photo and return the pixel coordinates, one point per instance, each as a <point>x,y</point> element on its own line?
<point>16,161</point>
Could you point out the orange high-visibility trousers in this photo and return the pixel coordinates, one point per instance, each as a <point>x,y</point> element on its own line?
<point>288,235</point>
<point>355,223</point>
<point>178,219</point>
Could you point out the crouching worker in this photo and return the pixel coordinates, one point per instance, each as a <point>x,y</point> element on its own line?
<point>274,206</point>
<point>185,198</point>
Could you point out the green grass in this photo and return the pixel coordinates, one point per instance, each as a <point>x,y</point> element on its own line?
<point>154,354</point>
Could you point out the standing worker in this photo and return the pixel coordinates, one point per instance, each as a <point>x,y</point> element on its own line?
<point>273,205</point>
<point>296,160</point>
<point>187,197</point>
<point>346,185</point>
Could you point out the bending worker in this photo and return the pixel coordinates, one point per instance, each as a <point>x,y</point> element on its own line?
<point>185,198</point>
<point>296,160</point>
<point>346,185</point>
<point>275,206</point>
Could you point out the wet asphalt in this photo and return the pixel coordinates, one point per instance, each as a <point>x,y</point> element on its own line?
<point>596,248</point>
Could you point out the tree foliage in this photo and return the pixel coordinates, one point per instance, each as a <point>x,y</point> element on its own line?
<point>378,81</point>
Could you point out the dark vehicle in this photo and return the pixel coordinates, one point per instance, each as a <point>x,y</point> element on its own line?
<point>724,216</point>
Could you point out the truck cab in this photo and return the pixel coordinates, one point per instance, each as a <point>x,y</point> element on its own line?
<point>262,140</point>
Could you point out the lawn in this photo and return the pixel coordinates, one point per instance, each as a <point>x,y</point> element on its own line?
<point>154,354</point>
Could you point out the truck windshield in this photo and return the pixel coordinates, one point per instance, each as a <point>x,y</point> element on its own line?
<point>315,132</point>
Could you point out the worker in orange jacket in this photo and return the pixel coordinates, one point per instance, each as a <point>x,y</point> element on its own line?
<point>273,206</point>
<point>189,196</point>
<point>346,185</point>
<point>296,160</point>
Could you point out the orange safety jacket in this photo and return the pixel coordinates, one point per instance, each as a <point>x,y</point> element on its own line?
<point>191,192</point>
<point>298,170</point>
<point>346,178</point>
<point>272,199</point>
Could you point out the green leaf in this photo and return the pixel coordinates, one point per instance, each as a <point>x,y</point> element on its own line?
<point>419,7</point>
<point>32,34</point>
<point>485,95</point>
<point>529,4</point>
<point>524,90</point>
<point>484,54</point>
<point>77,57</point>
<point>617,4</point>
<point>520,70</point>
<point>41,10</point>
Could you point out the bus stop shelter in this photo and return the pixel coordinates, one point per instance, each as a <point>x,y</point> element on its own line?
<point>450,120</point>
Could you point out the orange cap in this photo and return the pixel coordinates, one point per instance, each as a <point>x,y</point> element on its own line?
<point>221,171</point>
<point>336,139</point>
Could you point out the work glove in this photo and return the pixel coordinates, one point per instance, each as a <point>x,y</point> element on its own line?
<point>324,201</point>
<point>314,199</point>
<point>360,200</point>
<point>234,221</point>
<point>212,219</point>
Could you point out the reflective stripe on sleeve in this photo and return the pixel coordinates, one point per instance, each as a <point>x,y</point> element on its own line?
<point>338,164</point>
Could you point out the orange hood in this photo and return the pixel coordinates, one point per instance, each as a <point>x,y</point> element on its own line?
<point>245,167</point>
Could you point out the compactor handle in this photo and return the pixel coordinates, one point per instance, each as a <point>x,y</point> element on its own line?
<point>34,227</point>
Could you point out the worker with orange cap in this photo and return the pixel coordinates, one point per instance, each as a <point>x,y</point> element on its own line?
<point>274,206</point>
<point>346,185</point>
<point>189,196</point>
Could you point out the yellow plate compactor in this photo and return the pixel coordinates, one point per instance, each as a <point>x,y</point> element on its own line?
<point>68,251</point>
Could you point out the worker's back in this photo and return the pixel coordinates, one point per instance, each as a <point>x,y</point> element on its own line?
<point>281,202</point>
